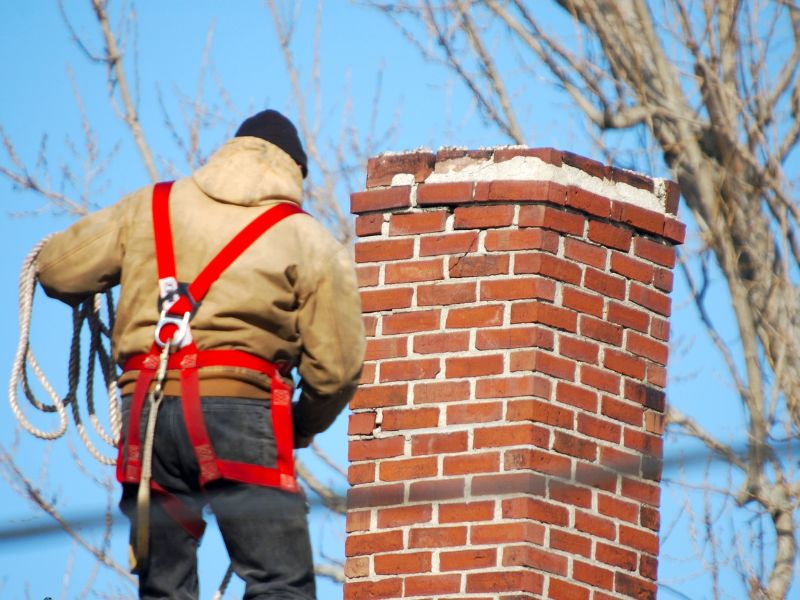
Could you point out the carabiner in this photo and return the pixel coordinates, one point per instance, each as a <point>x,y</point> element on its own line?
<point>179,338</point>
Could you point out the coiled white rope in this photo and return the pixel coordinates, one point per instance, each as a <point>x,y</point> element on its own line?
<point>90,312</point>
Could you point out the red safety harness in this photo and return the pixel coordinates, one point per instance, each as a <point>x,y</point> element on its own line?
<point>178,304</point>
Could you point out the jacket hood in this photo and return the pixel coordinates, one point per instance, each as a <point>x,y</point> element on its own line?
<point>249,171</point>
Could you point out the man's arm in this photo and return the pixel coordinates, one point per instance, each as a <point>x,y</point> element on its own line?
<point>84,259</point>
<point>332,331</point>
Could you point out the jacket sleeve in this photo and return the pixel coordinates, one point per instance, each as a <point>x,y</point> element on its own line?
<point>84,259</point>
<point>332,331</point>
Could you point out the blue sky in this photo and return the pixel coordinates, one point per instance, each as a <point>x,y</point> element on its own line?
<point>43,67</point>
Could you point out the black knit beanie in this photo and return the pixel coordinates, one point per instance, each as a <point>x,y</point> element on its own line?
<point>272,126</point>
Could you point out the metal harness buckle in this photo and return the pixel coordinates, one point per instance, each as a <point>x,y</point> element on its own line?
<point>181,337</point>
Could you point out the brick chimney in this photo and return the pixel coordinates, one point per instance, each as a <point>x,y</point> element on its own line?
<point>507,438</point>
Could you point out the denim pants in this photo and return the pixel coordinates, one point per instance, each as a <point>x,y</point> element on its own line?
<point>265,529</point>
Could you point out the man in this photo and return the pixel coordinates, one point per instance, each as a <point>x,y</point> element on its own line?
<point>227,326</point>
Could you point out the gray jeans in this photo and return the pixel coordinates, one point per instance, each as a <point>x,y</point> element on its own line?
<point>265,529</point>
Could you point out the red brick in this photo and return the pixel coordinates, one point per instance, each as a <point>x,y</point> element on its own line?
<point>633,587</point>
<point>435,343</point>
<point>649,298</point>
<point>415,223</point>
<point>548,217</point>
<point>548,155</point>
<point>466,560</point>
<point>536,509</point>
<point>547,265</point>
<point>594,525</point>
<point>537,558</point>
<point>598,428</point>
<point>615,556</point>
<point>499,484</point>
<point>357,520</point>
<point>418,270</point>
<point>650,518</point>
<point>542,412</point>
<point>405,562</point>
<point>587,165</point>
<point>395,420</point>
<point>441,391</point>
<point>361,473</point>
<point>444,193</point>
<point>648,567</point>
<point>383,250</point>
<point>381,169</point>
<point>599,379</point>
<point>656,375</point>
<point>506,581</point>
<point>432,585</point>
<point>409,370</point>
<point>588,254</point>
<point>546,314</point>
<point>367,276</point>
<point>574,446</point>
<point>659,329</point>
<point>523,191</point>
<point>647,347</point>
<point>390,347</point>
<point>610,286</point>
<point>474,412</point>
<point>596,477</point>
<point>641,539</point>
<point>656,252</point>
<point>609,235</point>
<point>370,324</point>
<point>513,337</point>
<point>439,443</point>
<point>570,543</point>
<point>369,543</point>
<point>391,299</point>
<point>631,178</point>
<point>542,362</point>
<point>374,200</point>
<point>638,217</point>
<point>488,315</point>
<point>443,294</point>
<point>483,217</point>
<point>578,349</point>
<point>536,460</point>
<point>368,373</point>
<point>437,537</point>
<point>621,462</point>
<point>601,331</point>
<point>510,387</point>
<point>649,493</point>
<point>367,225</point>
<point>566,493</point>
<point>473,366</point>
<point>518,288</point>
<point>410,468</point>
<point>663,279</point>
<point>435,490</point>
<point>582,302</point>
<point>622,411</point>
<point>593,575</point>
<point>654,422</point>
<point>379,395</point>
<point>576,396</point>
<point>673,197</point>
<point>361,423</point>
<point>374,495</point>
<point>628,317</point>
<point>645,395</point>
<point>624,363</point>
<point>369,590</point>
<point>589,202</point>
<point>645,443</point>
<point>632,268</point>
<point>498,240</point>
<point>466,512</point>
<point>478,265</point>
<point>448,243</point>
<point>504,533</point>
<point>562,590</point>
<point>375,448</point>
<point>612,506</point>
<point>510,435</point>
<point>488,462</point>
<point>389,518</point>
<point>674,231</point>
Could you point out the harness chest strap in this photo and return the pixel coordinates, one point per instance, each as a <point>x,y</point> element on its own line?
<point>189,359</point>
